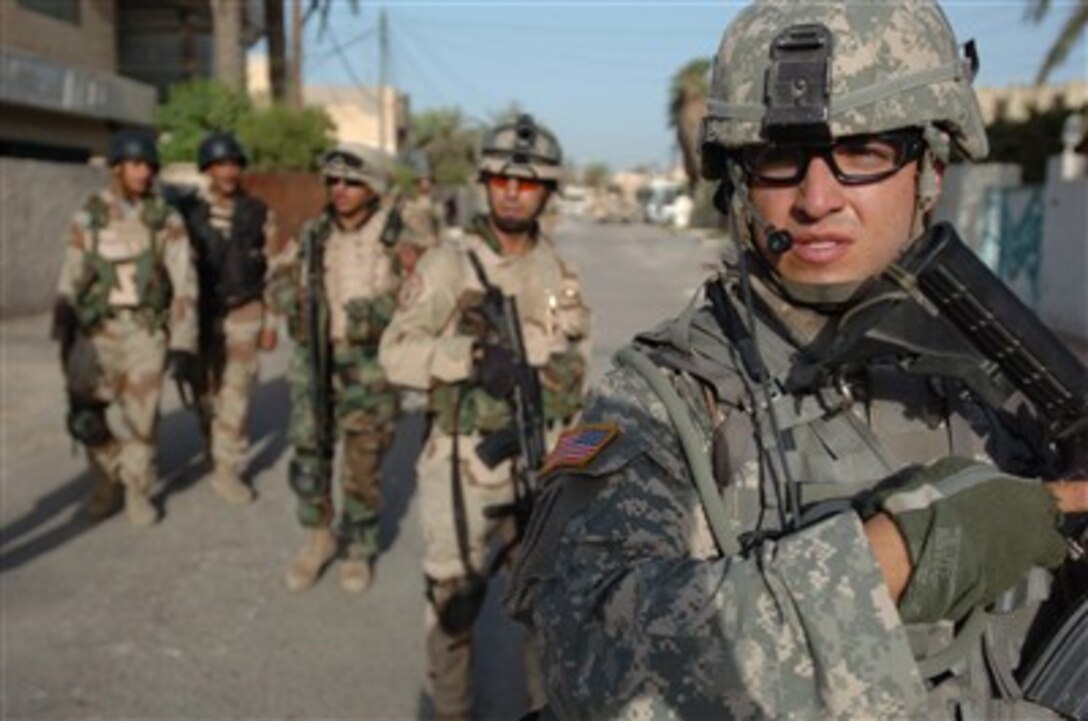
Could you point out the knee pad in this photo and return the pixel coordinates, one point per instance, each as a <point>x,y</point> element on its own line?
<point>306,478</point>
<point>87,422</point>
<point>457,602</point>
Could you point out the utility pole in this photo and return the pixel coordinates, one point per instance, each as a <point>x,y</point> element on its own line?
<point>383,57</point>
<point>295,84</point>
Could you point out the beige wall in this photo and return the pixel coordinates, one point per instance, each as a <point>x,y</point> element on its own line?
<point>90,44</point>
<point>1016,102</point>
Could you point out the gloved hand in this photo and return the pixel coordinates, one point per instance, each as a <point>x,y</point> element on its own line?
<point>972,532</point>
<point>495,369</point>
<point>183,365</point>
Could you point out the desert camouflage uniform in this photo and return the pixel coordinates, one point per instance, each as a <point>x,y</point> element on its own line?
<point>127,270</point>
<point>229,350</point>
<point>424,224</point>
<point>361,285</point>
<point>429,346</point>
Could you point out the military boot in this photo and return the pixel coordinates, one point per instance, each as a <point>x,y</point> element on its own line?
<point>105,498</point>
<point>230,488</point>
<point>320,548</point>
<point>138,507</point>
<point>355,575</point>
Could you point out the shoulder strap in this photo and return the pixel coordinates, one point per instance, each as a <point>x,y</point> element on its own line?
<point>690,442</point>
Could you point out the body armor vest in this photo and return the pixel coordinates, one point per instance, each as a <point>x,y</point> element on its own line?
<point>123,265</point>
<point>849,426</point>
<point>231,269</point>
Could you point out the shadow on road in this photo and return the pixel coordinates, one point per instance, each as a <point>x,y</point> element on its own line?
<point>180,461</point>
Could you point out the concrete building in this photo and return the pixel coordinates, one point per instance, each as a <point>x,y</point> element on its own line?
<point>370,116</point>
<point>73,71</point>
<point>1017,101</point>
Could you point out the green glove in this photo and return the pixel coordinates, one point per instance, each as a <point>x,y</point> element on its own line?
<point>972,533</point>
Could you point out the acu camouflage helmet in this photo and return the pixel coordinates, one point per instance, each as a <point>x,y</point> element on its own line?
<point>841,68</point>
<point>522,149</point>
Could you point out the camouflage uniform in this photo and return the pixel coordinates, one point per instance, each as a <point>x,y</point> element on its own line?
<point>230,335</point>
<point>360,288</point>
<point>424,225</point>
<point>655,594</point>
<point>128,276</point>
<point>429,346</point>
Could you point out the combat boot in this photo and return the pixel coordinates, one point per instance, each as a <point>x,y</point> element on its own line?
<point>355,575</point>
<point>104,499</point>
<point>138,508</point>
<point>320,548</point>
<point>231,489</point>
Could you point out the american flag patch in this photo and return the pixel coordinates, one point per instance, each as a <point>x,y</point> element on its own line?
<point>580,445</point>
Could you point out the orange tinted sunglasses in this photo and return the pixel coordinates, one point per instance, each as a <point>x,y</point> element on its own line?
<point>524,185</point>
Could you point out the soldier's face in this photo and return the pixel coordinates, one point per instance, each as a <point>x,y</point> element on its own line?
<point>225,176</point>
<point>841,233</point>
<point>348,196</point>
<point>515,200</point>
<point>134,177</point>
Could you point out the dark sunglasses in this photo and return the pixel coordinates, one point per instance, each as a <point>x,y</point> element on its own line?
<point>853,160</point>
<point>350,182</point>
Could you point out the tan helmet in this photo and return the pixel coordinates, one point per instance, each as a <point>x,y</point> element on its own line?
<point>357,162</point>
<point>522,149</point>
<point>794,67</point>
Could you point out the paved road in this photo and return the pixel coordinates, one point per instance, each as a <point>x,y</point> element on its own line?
<point>188,619</point>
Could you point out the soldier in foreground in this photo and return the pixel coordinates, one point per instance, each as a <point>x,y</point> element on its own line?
<point>444,339</point>
<point>232,235</point>
<point>800,498</point>
<point>338,287</point>
<point>126,300</point>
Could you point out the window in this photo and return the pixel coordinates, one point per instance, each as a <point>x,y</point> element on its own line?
<point>67,10</point>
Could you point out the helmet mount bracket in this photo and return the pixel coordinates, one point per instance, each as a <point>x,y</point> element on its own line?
<point>798,85</point>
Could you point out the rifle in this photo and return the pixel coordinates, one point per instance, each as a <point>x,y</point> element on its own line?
<point>317,350</point>
<point>1036,362</point>
<point>394,222</point>
<point>526,434</point>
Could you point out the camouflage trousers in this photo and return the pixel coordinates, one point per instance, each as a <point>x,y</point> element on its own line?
<point>365,409</point>
<point>449,656</point>
<point>229,360</point>
<point>120,362</point>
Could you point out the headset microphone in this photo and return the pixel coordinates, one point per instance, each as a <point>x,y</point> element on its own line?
<point>778,241</point>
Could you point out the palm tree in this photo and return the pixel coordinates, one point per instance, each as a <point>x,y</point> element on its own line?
<point>1072,30</point>
<point>687,106</point>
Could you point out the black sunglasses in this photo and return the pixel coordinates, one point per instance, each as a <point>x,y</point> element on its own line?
<point>350,182</point>
<point>853,160</point>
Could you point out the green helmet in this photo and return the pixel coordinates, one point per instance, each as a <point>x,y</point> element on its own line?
<point>523,149</point>
<point>796,68</point>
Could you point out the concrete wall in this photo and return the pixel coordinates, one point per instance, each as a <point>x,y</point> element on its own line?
<point>962,195</point>
<point>90,44</point>
<point>37,200</point>
<point>1063,292</point>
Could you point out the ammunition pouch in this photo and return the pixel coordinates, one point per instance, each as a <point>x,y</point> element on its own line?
<point>462,408</point>
<point>562,381</point>
<point>86,422</point>
<point>306,478</point>
<point>457,602</point>
<point>365,325</point>
<point>91,303</point>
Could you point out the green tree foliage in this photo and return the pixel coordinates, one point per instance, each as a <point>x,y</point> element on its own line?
<point>1029,142</point>
<point>596,175</point>
<point>687,106</point>
<point>450,145</point>
<point>277,138</point>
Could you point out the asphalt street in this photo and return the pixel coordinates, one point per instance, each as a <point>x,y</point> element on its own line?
<point>188,619</point>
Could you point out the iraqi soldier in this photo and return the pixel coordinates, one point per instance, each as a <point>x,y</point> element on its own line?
<point>424,224</point>
<point>338,287</point>
<point>126,300</point>
<point>233,236</point>
<point>799,498</point>
<point>440,342</point>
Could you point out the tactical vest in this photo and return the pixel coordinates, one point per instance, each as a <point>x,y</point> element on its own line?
<point>114,277</point>
<point>858,424</point>
<point>231,269</point>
